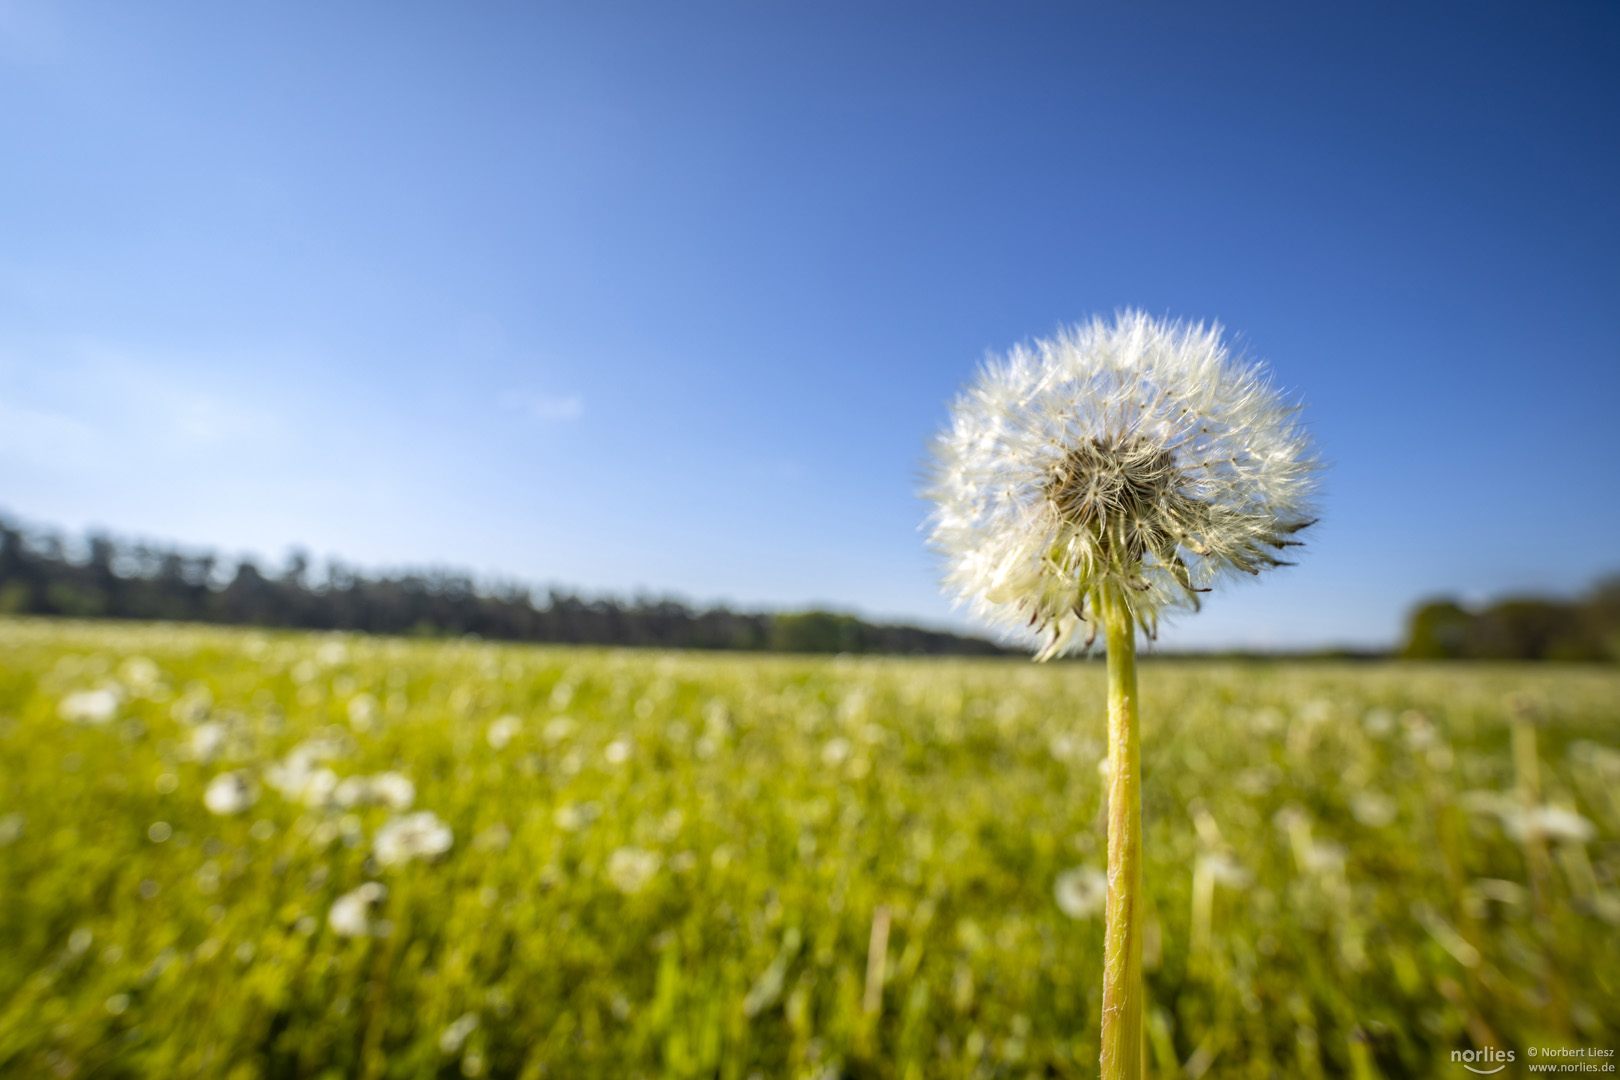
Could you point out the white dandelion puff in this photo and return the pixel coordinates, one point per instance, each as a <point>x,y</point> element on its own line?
<point>89,706</point>
<point>617,752</point>
<point>1549,822</point>
<point>415,836</point>
<point>351,913</point>
<point>230,793</point>
<point>1135,463</point>
<point>452,1038</point>
<point>362,711</point>
<point>1081,892</point>
<point>390,789</point>
<point>393,790</point>
<point>502,730</point>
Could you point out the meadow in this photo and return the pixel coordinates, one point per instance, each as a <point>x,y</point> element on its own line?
<point>256,854</point>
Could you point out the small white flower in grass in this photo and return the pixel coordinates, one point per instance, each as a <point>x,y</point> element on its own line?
<point>89,706</point>
<point>351,913</point>
<point>230,793</point>
<point>1137,461</point>
<point>1081,892</point>
<point>415,836</point>
<point>502,730</point>
<point>631,869</point>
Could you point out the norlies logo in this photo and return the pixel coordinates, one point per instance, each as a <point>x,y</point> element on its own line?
<point>1490,1055</point>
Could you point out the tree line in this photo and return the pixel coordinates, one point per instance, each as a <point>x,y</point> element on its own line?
<point>41,573</point>
<point>1522,628</point>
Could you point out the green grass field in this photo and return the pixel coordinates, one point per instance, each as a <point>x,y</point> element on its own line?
<point>711,865</point>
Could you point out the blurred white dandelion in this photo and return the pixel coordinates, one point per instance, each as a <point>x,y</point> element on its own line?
<point>230,793</point>
<point>1137,461</point>
<point>362,711</point>
<point>351,914</point>
<point>1550,823</point>
<point>502,730</point>
<point>391,789</point>
<point>89,706</point>
<point>453,1036</point>
<point>208,740</point>
<point>1223,869</point>
<point>1081,892</point>
<point>415,836</point>
<point>631,869</point>
<point>1373,809</point>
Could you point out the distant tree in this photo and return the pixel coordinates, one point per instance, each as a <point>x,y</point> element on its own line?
<point>1519,628</point>
<point>115,580</point>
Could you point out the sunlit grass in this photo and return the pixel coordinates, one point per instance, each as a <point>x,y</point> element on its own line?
<point>671,864</point>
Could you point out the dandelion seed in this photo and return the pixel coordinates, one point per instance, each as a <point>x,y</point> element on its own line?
<point>230,793</point>
<point>1081,892</point>
<point>351,914</point>
<point>631,869</point>
<point>415,836</point>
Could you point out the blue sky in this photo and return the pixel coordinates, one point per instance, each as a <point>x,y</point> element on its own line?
<point>671,297</point>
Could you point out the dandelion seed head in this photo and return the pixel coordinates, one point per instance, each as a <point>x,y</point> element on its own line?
<point>415,836</point>
<point>89,706</point>
<point>1136,461</point>
<point>230,793</point>
<point>351,913</point>
<point>631,869</point>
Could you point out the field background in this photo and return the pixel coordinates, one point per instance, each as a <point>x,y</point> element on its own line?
<point>684,864</point>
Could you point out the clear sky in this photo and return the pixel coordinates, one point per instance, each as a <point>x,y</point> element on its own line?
<point>672,296</point>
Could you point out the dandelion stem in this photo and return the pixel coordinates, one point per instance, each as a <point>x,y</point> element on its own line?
<point>1122,953</point>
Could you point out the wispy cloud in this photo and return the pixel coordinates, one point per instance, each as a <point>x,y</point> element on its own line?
<point>548,407</point>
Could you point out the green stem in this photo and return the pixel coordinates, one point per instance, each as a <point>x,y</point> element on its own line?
<point>1122,953</point>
